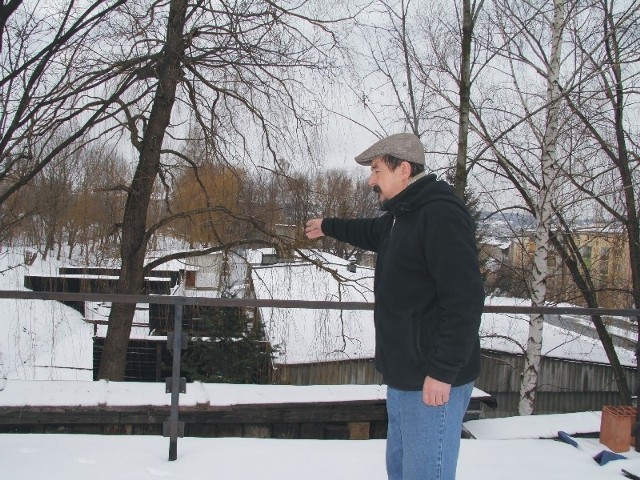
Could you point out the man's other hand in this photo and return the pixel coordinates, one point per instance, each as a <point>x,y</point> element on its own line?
<point>434,392</point>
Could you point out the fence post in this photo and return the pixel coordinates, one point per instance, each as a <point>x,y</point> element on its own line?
<point>175,384</point>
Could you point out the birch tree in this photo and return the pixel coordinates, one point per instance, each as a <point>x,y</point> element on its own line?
<point>604,107</point>
<point>544,216</point>
<point>515,110</point>
<point>579,167</point>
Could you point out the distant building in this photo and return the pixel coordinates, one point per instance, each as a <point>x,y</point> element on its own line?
<point>494,255</point>
<point>606,255</point>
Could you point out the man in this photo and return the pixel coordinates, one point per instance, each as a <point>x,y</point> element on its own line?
<point>429,298</point>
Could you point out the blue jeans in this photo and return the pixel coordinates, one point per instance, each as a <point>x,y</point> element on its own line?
<point>423,442</point>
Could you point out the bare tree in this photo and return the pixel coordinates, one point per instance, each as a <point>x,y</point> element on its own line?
<point>512,142</point>
<point>48,83</point>
<point>520,137</point>
<point>469,15</point>
<point>238,69</point>
<point>420,76</point>
<point>602,107</point>
<point>336,193</point>
<point>387,85</point>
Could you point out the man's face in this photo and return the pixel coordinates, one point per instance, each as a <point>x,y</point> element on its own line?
<point>388,183</point>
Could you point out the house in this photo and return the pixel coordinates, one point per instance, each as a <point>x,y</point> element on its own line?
<point>605,252</point>
<point>318,346</point>
<point>334,347</point>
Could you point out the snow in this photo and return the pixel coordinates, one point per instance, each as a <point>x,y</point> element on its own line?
<point>509,333</point>
<point>532,427</point>
<point>78,457</point>
<point>305,336</point>
<point>44,340</point>
<point>18,393</point>
<point>504,449</point>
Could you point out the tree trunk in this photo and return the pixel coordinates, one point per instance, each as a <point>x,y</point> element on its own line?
<point>588,291</point>
<point>460,182</point>
<point>133,248</point>
<point>533,354</point>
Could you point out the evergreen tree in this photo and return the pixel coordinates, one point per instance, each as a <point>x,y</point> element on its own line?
<point>230,348</point>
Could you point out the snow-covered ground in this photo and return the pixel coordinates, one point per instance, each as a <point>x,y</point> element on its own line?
<point>46,340</point>
<point>520,448</point>
<point>99,457</point>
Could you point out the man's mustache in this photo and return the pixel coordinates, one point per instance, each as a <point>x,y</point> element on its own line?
<point>376,189</point>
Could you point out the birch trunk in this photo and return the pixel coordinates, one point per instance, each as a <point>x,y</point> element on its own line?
<point>544,214</point>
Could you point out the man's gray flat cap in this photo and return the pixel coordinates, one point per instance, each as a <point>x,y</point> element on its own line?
<point>405,146</point>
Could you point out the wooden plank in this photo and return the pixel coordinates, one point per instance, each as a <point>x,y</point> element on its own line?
<point>229,430</point>
<point>339,420</point>
<point>257,430</point>
<point>378,429</point>
<point>336,431</point>
<point>358,430</point>
<point>301,413</point>
<point>313,430</point>
<point>200,430</point>
<point>285,430</point>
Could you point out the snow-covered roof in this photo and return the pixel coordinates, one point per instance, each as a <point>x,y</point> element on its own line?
<point>305,335</point>
<point>509,333</point>
<point>500,243</point>
<point>42,340</point>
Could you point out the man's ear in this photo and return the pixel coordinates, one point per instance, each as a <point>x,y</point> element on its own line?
<point>406,169</point>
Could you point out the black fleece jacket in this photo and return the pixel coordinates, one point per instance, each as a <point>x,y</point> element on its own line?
<point>428,288</point>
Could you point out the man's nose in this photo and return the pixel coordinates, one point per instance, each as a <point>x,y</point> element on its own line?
<point>370,181</point>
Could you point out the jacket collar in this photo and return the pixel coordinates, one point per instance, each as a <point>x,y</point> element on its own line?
<point>403,201</point>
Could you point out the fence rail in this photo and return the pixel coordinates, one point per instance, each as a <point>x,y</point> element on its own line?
<point>175,384</point>
<point>275,303</point>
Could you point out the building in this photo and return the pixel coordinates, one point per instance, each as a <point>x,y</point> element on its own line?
<point>605,254</point>
<point>320,345</point>
<point>336,347</point>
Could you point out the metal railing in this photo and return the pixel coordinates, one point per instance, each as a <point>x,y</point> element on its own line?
<point>176,340</point>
